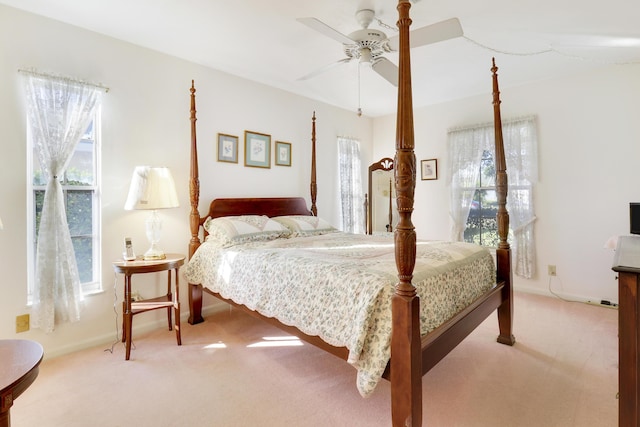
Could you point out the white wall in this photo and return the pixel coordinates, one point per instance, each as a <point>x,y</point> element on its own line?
<point>146,121</point>
<point>588,153</point>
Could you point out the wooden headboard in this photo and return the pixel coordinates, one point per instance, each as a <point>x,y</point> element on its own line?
<point>270,206</point>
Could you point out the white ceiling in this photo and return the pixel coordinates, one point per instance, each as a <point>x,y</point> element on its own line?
<point>261,40</point>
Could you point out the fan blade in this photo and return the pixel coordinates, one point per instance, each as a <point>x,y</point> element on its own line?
<point>323,69</point>
<point>323,28</point>
<point>434,33</point>
<point>386,69</point>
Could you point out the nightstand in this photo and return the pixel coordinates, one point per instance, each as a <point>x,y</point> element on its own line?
<point>169,301</point>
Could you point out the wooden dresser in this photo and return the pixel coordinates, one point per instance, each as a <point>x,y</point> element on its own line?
<point>627,264</point>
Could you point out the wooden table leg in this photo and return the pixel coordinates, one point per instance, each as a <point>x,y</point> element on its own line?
<point>127,315</point>
<point>5,417</point>
<point>629,359</point>
<point>169,295</point>
<point>176,308</point>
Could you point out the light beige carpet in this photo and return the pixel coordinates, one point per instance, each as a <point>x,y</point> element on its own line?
<point>561,372</point>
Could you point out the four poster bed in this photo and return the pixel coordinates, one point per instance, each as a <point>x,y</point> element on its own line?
<point>388,312</point>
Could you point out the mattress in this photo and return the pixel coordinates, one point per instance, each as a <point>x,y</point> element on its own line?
<point>338,286</point>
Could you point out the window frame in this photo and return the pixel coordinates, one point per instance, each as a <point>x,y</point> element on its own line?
<point>481,187</point>
<point>350,192</point>
<point>95,285</point>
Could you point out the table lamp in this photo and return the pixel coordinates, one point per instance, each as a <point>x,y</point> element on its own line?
<point>152,188</point>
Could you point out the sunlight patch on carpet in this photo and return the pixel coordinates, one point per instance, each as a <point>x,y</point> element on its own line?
<point>284,341</point>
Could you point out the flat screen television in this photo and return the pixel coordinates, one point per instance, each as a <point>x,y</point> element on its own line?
<point>634,218</point>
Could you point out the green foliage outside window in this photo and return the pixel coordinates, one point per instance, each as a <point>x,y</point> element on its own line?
<point>482,225</point>
<point>79,207</point>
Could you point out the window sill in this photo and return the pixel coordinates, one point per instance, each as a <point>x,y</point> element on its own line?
<point>85,294</point>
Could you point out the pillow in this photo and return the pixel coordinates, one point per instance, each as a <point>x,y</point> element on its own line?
<point>232,230</point>
<point>305,225</point>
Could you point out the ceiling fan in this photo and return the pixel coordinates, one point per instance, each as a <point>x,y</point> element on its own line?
<point>368,45</point>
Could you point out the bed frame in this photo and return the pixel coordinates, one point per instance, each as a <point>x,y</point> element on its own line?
<point>411,355</point>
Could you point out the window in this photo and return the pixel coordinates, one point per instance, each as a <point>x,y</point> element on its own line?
<point>81,197</point>
<point>350,180</point>
<point>61,111</point>
<point>482,226</point>
<point>473,194</point>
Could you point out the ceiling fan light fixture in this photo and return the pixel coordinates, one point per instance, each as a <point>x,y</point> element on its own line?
<point>365,56</point>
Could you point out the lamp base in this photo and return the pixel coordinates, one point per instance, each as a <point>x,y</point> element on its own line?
<point>153,253</point>
<point>153,257</point>
<point>154,228</point>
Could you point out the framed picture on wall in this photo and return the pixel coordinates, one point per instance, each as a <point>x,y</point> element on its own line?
<point>227,148</point>
<point>429,169</point>
<point>283,153</point>
<point>257,149</point>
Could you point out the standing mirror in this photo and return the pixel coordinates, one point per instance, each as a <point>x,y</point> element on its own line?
<point>381,206</point>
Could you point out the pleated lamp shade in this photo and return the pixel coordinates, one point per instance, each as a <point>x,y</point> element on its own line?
<point>151,188</point>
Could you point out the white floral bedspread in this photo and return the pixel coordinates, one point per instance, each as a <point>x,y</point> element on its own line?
<point>339,286</point>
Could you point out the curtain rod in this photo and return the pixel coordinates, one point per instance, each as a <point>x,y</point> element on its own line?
<point>55,76</point>
<point>489,124</point>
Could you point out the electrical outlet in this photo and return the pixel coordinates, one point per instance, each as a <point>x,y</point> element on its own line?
<point>22,323</point>
<point>551,270</point>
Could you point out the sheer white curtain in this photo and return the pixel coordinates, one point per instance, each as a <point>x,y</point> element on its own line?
<point>521,151</point>
<point>350,177</point>
<point>59,110</point>
<point>465,151</point>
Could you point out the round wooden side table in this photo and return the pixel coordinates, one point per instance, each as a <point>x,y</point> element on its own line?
<point>19,366</point>
<point>170,301</point>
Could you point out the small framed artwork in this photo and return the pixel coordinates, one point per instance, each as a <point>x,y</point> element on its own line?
<point>283,153</point>
<point>429,169</point>
<point>227,148</point>
<point>257,149</point>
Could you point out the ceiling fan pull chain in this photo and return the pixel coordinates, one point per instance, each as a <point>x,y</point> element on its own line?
<point>359,109</point>
<point>387,26</point>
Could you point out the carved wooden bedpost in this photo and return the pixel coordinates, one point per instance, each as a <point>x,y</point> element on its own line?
<point>314,186</point>
<point>194,182</point>
<point>195,294</point>
<point>406,368</point>
<point>503,253</point>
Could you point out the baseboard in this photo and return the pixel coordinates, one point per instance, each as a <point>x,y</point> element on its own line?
<point>566,296</point>
<point>142,325</point>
